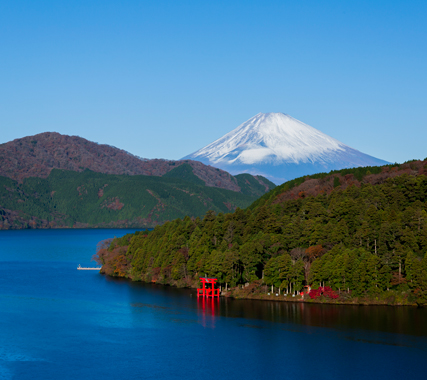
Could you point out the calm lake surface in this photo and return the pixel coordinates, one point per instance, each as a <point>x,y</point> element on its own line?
<point>60,323</point>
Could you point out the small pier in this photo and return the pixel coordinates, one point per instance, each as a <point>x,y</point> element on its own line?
<point>87,268</point>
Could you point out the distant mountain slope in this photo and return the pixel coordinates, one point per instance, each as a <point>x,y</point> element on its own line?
<point>89,199</point>
<point>36,156</point>
<point>279,147</point>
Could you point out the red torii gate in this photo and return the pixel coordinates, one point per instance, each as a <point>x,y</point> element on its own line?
<point>205,291</point>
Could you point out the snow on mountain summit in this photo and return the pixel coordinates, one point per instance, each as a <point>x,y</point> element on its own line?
<point>270,137</point>
<point>281,148</point>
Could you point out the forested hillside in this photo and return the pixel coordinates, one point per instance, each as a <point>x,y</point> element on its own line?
<point>36,156</point>
<point>88,199</point>
<point>356,235</point>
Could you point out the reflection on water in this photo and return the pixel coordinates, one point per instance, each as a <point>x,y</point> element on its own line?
<point>402,320</point>
<point>53,316</point>
<point>388,319</point>
<point>208,309</point>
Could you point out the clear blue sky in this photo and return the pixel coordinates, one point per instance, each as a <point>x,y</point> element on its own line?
<point>162,79</point>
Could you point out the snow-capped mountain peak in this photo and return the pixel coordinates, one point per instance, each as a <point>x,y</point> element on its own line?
<point>278,140</point>
<point>270,137</point>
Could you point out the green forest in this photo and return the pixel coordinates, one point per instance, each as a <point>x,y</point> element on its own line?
<point>89,199</point>
<point>360,232</point>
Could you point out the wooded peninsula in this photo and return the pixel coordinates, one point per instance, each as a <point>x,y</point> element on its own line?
<point>353,236</point>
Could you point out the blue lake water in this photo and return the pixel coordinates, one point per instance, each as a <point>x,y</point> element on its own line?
<point>60,323</point>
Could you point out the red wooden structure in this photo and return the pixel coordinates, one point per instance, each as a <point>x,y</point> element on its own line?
<point>205,291</point>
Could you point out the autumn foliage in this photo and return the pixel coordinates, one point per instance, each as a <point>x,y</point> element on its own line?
<point>325,291</point>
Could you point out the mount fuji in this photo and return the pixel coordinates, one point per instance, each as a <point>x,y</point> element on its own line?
<point>280,148</point>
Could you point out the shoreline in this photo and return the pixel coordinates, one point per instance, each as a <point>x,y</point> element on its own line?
<point>355,302</point>
<point>77,228</point>
<point>239,294</point>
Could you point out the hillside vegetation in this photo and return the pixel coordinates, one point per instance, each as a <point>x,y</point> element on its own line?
<point>89,199</point>
<point>36,156</point>
<point>356,235</point>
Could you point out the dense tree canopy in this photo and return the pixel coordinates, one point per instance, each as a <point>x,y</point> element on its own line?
<point>362,240</point>
<point>90,199</point>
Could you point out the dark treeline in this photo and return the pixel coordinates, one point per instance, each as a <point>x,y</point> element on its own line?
<point>365,241</point>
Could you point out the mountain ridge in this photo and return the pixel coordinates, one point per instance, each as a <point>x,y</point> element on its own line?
<point>37,155</point>
<point>57,181</point>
